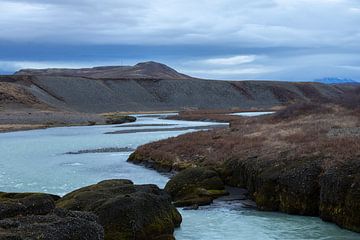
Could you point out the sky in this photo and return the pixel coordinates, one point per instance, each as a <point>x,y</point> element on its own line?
<point>293,40</point>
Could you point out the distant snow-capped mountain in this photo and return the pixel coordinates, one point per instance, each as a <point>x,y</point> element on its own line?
<point>335,80</point>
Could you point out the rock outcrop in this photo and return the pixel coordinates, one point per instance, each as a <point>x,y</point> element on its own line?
<point>290,186</point>
<point>290,162</point>
<point>125,210</point>
<point>195,186</point>
<point>296,186</point>
<point>15,204</point>
<point>118,118</point>
<point>340,195</point>
<point>26,216</point>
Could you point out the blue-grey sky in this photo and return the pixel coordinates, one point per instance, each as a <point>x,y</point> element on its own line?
<point>218,39</point>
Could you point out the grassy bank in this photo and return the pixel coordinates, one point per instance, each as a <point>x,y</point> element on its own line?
<point>22,120</point>
<point>303,160</point>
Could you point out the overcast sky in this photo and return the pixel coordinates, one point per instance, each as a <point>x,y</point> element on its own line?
<point>219,39</point>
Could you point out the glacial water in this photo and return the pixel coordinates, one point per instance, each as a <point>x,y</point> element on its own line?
<point>36,161</point>
<point>251,114</point>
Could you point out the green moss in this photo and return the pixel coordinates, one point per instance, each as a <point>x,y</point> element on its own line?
<point>216,193</point>
<point>125,210</point>
<point>115,118</point>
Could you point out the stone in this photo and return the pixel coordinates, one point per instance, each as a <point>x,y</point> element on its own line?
<point>195,186</point>
<point>125,210</point>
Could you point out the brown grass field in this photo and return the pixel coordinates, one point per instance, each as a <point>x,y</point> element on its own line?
<point>304,159</point>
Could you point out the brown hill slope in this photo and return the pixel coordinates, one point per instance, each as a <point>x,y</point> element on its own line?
<point>156,87</point>
<point>139,71</point>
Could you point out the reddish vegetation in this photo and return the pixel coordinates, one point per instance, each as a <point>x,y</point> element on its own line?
<point>12,93</point>
<point>303,160</point>
<point>298,130</point>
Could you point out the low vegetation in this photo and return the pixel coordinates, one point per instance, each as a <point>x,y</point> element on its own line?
<point>117,118</point>
<point>304,159</point>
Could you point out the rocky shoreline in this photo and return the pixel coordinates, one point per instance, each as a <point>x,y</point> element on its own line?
<point>309,173</point>
<point>112,209</point>
<point>302,188</point>
<point>31,119</point>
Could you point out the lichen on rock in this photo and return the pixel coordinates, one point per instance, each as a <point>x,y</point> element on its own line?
<point>26,216</point>
<point>195,186</point>
<point>125,210</point>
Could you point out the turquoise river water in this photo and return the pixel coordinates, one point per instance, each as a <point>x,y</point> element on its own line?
<point>36,161</point>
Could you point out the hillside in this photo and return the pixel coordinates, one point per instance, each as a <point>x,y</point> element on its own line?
<point>143,70</point>
<point>153,86</point>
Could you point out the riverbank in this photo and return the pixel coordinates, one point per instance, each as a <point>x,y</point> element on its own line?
<point>30,119</point>
<point>303,160</point>
<point>40,161</point>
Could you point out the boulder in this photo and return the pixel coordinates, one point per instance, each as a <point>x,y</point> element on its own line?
<point>195,186</point>
<point>59,224</point>
<point>33,216</point>
<point>118,119</point>
<point>14,204</point>
<point>125,210</point>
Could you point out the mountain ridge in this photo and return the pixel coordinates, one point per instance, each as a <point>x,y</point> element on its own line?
<point>334,80</point>
<point>143,70</point>
<point>152,86</point>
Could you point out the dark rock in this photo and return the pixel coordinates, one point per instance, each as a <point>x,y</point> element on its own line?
<point>125,210</point>
<point>33,216</point>
<point>195,186</point>
<point>119,119</point>
<point>235,194</point>
<point>14,204</point>
<point>340,195</point>
<point>59,224</point>
<point>163,165</point>
<point>288,186</point>
<point>249,204</point>
<point>193,207</point>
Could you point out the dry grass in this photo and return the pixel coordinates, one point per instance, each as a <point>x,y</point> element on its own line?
<point>20,127</point>
<point>12,93</point>
<point>296,132</point>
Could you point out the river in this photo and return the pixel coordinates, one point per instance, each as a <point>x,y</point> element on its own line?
<point>38,161</point>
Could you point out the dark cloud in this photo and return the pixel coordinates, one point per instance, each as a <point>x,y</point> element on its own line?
<point>285,37</point>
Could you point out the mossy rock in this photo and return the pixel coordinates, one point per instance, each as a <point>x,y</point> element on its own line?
<point>118,119</point>
<point>160,165</point>
<point>290,185</point>
<point>26,216</point>
<point>195,186</point>
<point>59,224</point>
<point>340,195</point>
<point>14,204</point>
<point>125,210</point>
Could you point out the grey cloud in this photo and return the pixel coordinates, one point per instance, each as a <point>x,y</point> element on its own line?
<point>321,34</point>
<point>258,22</point>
